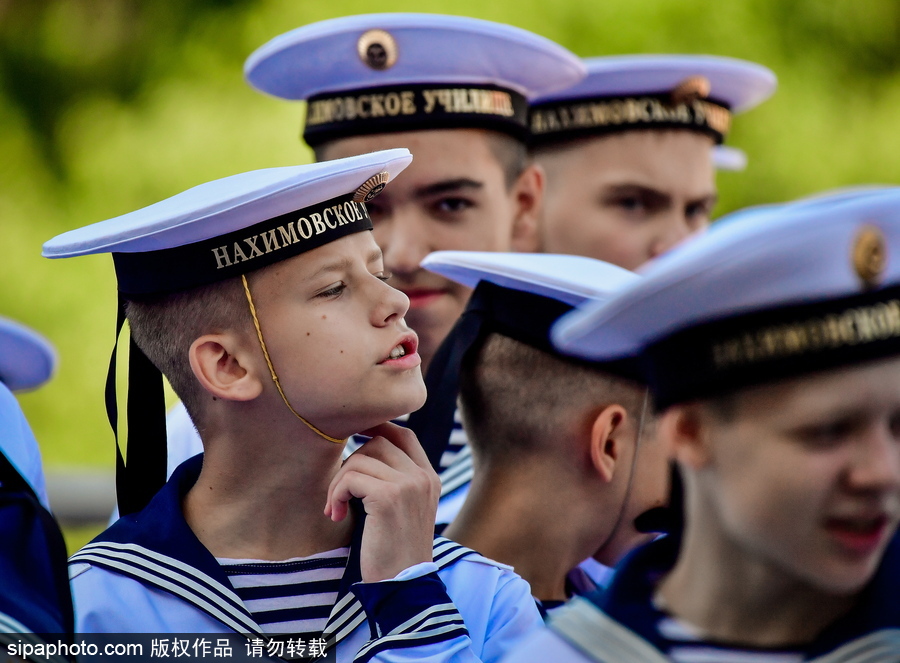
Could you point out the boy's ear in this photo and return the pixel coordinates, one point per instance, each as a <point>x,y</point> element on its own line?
<point>685,432</point>
<point>528,192</point>
<point>224,368</point>
<point>607,440</point>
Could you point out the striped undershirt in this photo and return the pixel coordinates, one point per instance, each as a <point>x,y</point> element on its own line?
<point>294,596</point>
<point>456,444</point>
<point>686,644</point>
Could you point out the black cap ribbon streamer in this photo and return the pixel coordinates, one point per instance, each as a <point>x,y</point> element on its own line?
<point>138,480</point>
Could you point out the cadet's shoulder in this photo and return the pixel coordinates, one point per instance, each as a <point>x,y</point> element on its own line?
<point>544,645</point>
<point>449,555</point>
<point>111,602</point>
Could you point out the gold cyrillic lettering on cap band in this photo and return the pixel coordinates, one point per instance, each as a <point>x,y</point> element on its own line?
<point>855,326</point>
<point>396,103</point>
<point>626,112</point>
<point>262,344</point>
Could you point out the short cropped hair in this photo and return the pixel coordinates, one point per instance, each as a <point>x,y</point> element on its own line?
<point>516,399</point>
<point>165,326</point>
<point>511,153</point>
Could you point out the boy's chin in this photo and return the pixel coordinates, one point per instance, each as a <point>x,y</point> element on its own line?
<point>409,403</point>
<point>400,406</point>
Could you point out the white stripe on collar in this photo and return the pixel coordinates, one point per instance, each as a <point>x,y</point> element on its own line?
<point>437,623</point>
<point>601,638</point>
<point>14,633</point>
<point>197,588</point>
<point>190,584</point>
<point>11,625</point>
<point>348,612</point>
<point>876,647</point>
<point>595,634</point>
<point>459,473</point>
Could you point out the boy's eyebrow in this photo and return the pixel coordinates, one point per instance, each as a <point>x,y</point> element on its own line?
<point>709,200</point>
<point>345,264</point>
<point>446,186</point>
<point>375,256</point>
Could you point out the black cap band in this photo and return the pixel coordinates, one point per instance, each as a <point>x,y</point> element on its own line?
<point>412,108</point>
<point>725,355</point>
<point>239,252</point>
<point>577,118</point>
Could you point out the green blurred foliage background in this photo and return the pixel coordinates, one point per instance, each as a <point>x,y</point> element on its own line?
<point>110,105</point>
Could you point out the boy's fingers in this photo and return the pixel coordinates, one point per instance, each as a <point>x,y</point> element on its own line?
<point>363,464</point>
<point>402,438</point>
<point>378,466</point>
<point>387,452</point>
<point>351,484</point>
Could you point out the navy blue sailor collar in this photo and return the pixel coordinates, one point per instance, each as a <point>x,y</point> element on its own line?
<point>871,627</point>
<point>156,547</point>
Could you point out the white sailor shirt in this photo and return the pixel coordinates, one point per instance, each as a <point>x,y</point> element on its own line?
<point>149,573</point>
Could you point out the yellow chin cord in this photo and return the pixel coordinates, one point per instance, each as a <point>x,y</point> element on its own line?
<point>262,344</point>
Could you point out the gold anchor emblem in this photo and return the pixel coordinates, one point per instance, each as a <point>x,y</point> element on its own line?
<point>869,254</point>
<point>377,49</point>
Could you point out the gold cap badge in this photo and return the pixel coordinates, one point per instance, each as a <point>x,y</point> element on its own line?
<point>869,254</point>
<point>371,188</point>
<point>377,49</point>
<point>691,89</point>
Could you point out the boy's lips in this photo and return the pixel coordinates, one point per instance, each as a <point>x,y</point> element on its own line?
<point>861,535</point>
<point>403,353</point>
<point>422,297</point>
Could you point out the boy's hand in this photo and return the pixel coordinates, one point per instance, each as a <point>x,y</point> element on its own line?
<point>392,476</point>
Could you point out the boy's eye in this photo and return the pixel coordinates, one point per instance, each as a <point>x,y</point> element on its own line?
<point>698,210</point>
<point>698,214</point>
<point>828,434</point>
<point>453,205</point>
<point>384,276</point>
<point>630,204</point>
<point>333,290</point>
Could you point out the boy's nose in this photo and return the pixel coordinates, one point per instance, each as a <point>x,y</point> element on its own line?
<point>877,465</point>
<point>676,228</point>
<point>405,245</point>
<point>392,304</point>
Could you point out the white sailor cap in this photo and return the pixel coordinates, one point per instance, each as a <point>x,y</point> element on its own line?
<point>569,279</point>
<point>516,295</point>
<point>619,93</point>
<point>377,73</point>
<point>728,158</point>
<point>234,225</point>
<point>771,293</point>
<point>27,359</point>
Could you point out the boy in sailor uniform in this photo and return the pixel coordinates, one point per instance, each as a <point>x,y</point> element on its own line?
<point>27,361</point>
<point>262,298</point>
<point>454,91</point>
<point>772,348</point>
<point>565,453</point>
<point>34,593</point>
